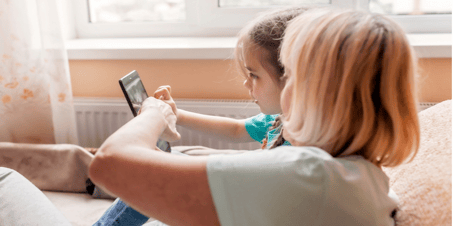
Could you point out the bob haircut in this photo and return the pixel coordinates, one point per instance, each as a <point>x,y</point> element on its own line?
<point>353,86</point>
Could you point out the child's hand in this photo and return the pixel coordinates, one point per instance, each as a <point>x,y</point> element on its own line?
<point>163,93</point>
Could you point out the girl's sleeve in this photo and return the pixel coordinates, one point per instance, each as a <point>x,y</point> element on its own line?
<point>257,126</point>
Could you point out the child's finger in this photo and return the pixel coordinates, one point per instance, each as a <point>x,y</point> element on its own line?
<point>159,93</point>
<point>162,93</point>
<point>167,87</point>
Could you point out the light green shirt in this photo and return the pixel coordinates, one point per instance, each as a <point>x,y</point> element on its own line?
<point>298,186</point>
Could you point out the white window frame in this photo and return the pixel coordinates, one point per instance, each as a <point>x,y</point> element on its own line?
<point>416,24</point>
<point>206,19</point>
<point>213,16</point>
<point>425,23</point>
<point>209,33</point>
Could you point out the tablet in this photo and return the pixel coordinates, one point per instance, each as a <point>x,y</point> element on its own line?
<point>135,93</point>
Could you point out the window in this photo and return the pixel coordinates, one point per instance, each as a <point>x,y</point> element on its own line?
<point>116,11</point>
<point>206,18</point>
<point>417,16</point>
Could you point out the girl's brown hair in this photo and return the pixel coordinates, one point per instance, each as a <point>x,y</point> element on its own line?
<point>266,31</point>
<point>353,86</point>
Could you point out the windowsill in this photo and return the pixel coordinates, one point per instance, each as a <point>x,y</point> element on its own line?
<point>425,45</point>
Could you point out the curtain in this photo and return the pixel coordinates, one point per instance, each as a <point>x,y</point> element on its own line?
<point>36,104</point>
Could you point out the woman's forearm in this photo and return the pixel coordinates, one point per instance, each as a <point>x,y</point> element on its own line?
<point>129,166</point>
<point>126,146</point>
<point>143,130</point>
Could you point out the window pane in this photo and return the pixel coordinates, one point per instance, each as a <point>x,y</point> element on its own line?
<point>112,11</point>
<point>411,7</point>
<point>259,3</point>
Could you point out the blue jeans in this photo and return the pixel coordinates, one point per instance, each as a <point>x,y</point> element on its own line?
<point>119,214</point>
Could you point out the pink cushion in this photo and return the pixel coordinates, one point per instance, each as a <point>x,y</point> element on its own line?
<point>424,185</point>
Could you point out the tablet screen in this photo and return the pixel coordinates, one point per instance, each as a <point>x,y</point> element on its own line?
<point>135,93</point>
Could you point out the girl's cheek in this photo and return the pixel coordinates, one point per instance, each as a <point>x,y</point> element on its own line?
<point>286,99</point>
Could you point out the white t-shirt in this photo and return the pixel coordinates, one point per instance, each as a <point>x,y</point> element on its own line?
<point>298,186</point>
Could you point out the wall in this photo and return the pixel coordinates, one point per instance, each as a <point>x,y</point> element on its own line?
<point>214,79</point>
<point>434,81</point>
<point>195,79</point>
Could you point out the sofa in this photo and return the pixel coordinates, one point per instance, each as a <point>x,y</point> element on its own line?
<point>422,185</point>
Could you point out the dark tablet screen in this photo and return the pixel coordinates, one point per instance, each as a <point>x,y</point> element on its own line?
<point>135,93</point>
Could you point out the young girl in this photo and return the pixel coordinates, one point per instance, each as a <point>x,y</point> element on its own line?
<point>256,56</point>
<point>348,108</point>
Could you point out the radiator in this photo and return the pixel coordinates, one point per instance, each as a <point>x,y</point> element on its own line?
<point>98,118</point>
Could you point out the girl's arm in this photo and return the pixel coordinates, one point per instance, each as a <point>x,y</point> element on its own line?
<point>229,129</point>
<point>173,189</point>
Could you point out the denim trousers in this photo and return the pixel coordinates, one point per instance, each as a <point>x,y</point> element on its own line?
<point>119,213</point>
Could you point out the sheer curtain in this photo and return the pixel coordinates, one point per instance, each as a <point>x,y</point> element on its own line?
<point>36,104</point>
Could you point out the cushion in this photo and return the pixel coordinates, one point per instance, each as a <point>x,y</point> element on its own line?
<point>79,208</point>
<point>51,167</point>
<point>424,184</point>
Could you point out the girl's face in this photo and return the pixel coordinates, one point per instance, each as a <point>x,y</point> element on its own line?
<point>262,87</point>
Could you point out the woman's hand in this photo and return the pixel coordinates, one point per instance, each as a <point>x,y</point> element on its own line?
<point>163,93</point>
<point>169,134</point>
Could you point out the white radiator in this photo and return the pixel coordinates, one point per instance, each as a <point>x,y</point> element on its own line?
<point>98,118</point>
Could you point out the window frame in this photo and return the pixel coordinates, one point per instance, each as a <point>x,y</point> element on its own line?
<point>424,23</point>
<point>210,42</point>
<point>205,19</point>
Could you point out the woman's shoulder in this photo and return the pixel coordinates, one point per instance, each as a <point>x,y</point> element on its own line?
<point>315,155</point>
<point>310,162</point>
<point>293,157</point>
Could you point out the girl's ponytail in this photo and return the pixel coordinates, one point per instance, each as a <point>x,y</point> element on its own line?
<point>279,140</point>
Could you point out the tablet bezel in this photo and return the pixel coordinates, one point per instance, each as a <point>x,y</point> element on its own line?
<point>124,82</point>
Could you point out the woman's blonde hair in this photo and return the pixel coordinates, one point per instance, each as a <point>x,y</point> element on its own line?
<point>353,86</point>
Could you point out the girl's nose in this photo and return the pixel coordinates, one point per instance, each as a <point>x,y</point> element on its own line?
<point>246,83</point>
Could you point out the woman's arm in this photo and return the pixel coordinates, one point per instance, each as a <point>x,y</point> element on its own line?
<point>173,189</point>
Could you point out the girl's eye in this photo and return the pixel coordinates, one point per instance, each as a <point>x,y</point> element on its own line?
<point>253,76</point>
<point>283,78</point>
